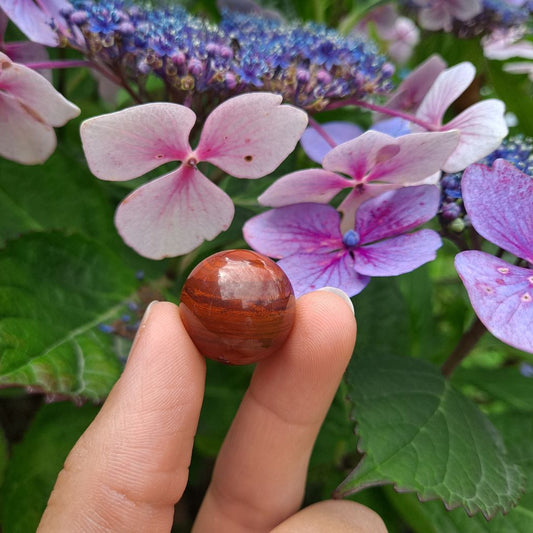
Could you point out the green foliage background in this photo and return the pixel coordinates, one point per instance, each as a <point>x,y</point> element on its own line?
<point>467,442</point>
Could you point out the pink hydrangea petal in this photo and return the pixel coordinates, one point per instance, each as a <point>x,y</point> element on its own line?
<point>414,88</point>
<point>398,255</point>
<point>35,92</point>
<point>448,86</point>
<point>482,127</point>
<point>248,136</point>
<point>420,156</point>
<point>28,52</point>
<point>498,202</point>
<point>308,272</point>
<point>520,67</point>
<point>32,20</point>
<point>396,212</point>
<point>435,17</point>
<point>358,157</point>
<point>300,228</point>
<point>503,49</point>
<point>24,137</point>
<point>127,144</point>
<point>3,23</point>
<point>312,185</point>
<point>316,147</point>
<point>356,197</point>
<point>501,295</point>
<point>172,215</point>
<point>406,159</point>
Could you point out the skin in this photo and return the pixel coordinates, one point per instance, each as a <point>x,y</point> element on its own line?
<point>130,466</point>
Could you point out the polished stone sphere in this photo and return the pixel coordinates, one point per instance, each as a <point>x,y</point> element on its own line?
<point>238,306</point>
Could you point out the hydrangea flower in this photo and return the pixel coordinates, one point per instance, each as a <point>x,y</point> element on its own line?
<point>498,202</point>
<point>319,139</point>
<point>440,14</point>
<point>30,108</point>
<point>308,64</point>
<point>399,35</point>
<point>410,93</point>
<point>427,94</point>
<point>247,136</point>
<point>502,45</point>
<point>22,51</point>
<point>35,19</point>
<point>375,162</point>
<point>315,252</point>
<point>469,18</point>
<point>516,149</point>
<point>482,125</point>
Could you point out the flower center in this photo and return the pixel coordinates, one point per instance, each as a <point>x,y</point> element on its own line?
<point>351,239</point>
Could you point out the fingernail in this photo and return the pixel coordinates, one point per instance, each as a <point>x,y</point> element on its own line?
<point>340,293</point>
<point>142,325</point>
<point>147,312</point>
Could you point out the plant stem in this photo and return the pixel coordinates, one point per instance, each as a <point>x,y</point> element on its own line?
<point>384,110</point>
<point>322,132</point>
<point>469,339</point>
<point>61,63</point>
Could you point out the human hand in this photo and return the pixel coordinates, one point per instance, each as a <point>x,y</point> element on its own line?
<point>130,467</point>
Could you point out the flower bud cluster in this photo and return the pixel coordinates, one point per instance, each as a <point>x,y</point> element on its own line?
<point>517,149</point>
<point>494,15</point>
<point>308,64</point>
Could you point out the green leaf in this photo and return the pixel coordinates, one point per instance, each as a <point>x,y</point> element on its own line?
<point>36,462</point>
<point>515,91</point>
<point>60,194</point>
<point>54,292</point>
<point>516,429</point>
<point>421,435</point>
<point>382,319</point>
<point>503,384</point>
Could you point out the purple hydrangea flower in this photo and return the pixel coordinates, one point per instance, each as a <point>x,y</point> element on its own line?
<point>498,202</point>
<point>516,149</point>
<point>315,252</point>
<point>308,64</point>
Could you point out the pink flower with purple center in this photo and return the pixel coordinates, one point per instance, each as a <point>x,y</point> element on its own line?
<point>315,252</point>
<point>247,136</point>
<point>498,202</point>
<point>370,164</point>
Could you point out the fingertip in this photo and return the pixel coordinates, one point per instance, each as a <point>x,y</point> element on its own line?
<point>325,318</point>
<point>341,516</point>
<point>341,294</point>
<point>312,361</point>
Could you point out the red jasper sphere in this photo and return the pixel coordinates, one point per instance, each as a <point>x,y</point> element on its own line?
<point>237,306</point>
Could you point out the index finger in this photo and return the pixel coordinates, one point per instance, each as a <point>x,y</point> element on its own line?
<point>260,472</point>
<point>130,467</point>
